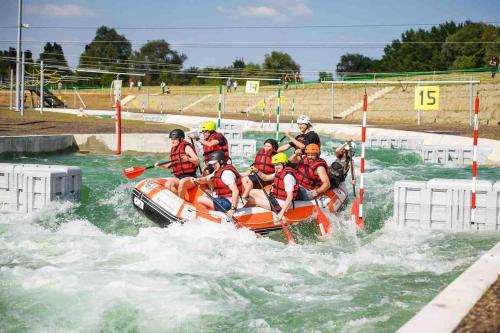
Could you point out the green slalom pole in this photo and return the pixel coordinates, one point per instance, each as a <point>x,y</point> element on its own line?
<point>220,106</point>
<point>293,110</point>
<point>278,109</point>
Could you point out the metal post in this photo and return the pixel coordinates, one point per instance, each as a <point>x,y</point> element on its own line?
<point>219,106</point>
<point>11,88</point>
<point>418,110</point>
<point>21,100</point>
<point>118,127</point>
<point>41,86</point>
<point>18,53</point>
<point>471,99</point>
<point>278,111</point>
<point>332,102</point>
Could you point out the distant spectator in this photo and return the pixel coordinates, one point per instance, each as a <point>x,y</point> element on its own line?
<point>81,113</point>
<point>168,90</point>
<point>162,86</point>
<point>139,85</point>
<point>131,85</point>
<point>235,85</point>
<point>286,79</point>
<point>59,86</point>
<point>297,79</point>
<point>228,85</point>
<point>494,62</point>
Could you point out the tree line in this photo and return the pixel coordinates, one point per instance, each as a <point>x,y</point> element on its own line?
<point>446,46</point>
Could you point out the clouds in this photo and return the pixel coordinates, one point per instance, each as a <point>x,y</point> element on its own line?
<point>276,10</point>
<point>61,10</point>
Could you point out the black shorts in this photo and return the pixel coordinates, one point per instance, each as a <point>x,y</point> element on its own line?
<point>255,182</point>
<point>187,175</point>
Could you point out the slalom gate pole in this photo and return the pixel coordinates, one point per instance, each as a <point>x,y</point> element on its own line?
<point>362,167</point>
<point>278,110</point>
<point>41,86</point>
<point>263,115</point>
<point>474,162</point>
<point>293,110</point>
<point>219,106</point>
<point>118,128</point>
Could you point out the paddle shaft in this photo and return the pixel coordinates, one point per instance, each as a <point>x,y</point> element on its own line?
<point>352,175</point>
<point>199,167</point>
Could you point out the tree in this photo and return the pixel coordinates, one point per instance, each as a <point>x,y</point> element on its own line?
<point>8,62</point>
<point>107,51</point>
<point>353,63</point>
<point>279,63</point>
<point>53,56</point>
<point>157,56</point>
<point>325,76</point>
<point>239,63</point>
<point>472,46</point>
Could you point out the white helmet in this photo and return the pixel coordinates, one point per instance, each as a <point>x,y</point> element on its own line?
<point>303,119</point>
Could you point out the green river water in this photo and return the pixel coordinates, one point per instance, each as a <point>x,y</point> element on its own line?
<point>100,266</point>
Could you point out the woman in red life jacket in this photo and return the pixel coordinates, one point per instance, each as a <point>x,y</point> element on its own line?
<point>184,160</point>
<point>285,188</point>
<point>312,174</point>
<point>263,163</point>
<point>227,185</point>
<point>212,141</point>
<point>306,136</point>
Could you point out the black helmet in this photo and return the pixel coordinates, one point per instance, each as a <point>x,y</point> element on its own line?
<point>273,143</point>
<point>217,156</point>
<point>177,134</point>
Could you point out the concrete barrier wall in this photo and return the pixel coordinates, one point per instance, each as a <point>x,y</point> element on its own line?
<point>36,144</point>
<point>446,204</point>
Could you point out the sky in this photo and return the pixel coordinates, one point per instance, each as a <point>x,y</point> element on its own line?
<point>152,14</point>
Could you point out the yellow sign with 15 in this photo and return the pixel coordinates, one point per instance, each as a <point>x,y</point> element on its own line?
<point>426,98</point>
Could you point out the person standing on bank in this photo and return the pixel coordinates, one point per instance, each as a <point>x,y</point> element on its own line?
<point>494,63</point>
<point>227,185</point>
<point>306,137</point>
<point>228,85</point>
<point>184,160</point>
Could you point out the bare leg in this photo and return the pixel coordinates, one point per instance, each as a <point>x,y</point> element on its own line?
<point>206,202</point>
<point>172,184</point>
<point>185,184</point>
<point>258,198</point>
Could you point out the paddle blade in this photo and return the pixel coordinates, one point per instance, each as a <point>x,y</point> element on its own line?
<point>287,233</point>
<point>360,223</point>
<point>323,222</point>
<point>133,172</point>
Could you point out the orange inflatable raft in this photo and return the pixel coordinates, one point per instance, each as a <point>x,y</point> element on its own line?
<point>164,207</point>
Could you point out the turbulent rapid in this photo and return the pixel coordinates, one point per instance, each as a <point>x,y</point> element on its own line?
<point>99,265</point>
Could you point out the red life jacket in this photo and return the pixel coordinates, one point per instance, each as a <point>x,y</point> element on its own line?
<point>220,187</point>
<point>223,145</point>
<point>278,190</point>
<point>305,173</point>
<point>263,161</point>
<point>180,167</point>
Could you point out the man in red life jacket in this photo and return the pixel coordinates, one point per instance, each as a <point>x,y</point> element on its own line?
<point>312,174</point>
<point>285,188</point>
<point>306,136</point>
<point>227,185</point>
<point>212,141</point>
<point>184,160</point>
<point>262,162</point>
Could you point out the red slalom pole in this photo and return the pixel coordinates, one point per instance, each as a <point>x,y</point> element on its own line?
<point>361,219</point>
<point>474,161</point>
<point>118,128</point>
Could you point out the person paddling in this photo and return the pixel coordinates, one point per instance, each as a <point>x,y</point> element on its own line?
<point>284,190</point>
<point>184,160</point>
<point>211,141</point>
<point>312,174</point>
<point>306,136</point>
<point>263,163</point>
<point>227,185</point>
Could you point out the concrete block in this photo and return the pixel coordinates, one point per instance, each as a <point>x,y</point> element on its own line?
<point>242,148</point>
<point>231,126</point>
<point>232,134</point>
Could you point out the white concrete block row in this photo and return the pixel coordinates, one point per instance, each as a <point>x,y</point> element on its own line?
<point>450,154</point>
<point>29,187</point>
<point>446,204</point>
<point>231,126</point>
<point>398,142</point>
<point>242,148</point>
<point>232,134</point>
<point>155,118</point>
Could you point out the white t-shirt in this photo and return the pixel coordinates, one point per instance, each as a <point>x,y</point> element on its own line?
<point>290,182</point>
<point>228,177</point>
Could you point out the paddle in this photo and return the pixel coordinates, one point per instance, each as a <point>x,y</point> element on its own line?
<point>287,232</point>
<point>199,167</point>
<point>218,205</point>
<point>136,171</point>
<point>322,220</point>
<point>355,205</point>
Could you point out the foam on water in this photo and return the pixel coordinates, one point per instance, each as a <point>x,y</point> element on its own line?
<point>99,265</point>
